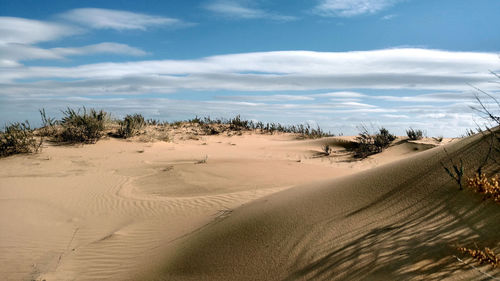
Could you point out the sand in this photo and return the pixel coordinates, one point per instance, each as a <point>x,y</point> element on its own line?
<point>249,207</point>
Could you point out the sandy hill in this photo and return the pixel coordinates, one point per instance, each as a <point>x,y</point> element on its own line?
<point>400,221</point>
<point>248,207</point>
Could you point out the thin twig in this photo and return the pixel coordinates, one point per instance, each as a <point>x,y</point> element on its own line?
<point>477,269</point>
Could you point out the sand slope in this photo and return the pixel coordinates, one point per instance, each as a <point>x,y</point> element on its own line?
<point>400,221</point>
<point>190,210</point>
<point>110,210</point>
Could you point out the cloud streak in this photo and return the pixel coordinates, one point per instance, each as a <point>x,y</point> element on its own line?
<point>277,71</point>
<point>26,31</point>
<point>115,19</point>
<point>351,8</point>
<point>238,10</point>
<point>11,53</point>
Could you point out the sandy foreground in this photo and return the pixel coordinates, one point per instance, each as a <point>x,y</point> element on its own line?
<point>249,207</point>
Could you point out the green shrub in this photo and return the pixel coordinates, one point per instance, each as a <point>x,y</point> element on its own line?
<point>131,125</point>
<point>414,134</point>
<point>82,126</point>
<point>18,138</point>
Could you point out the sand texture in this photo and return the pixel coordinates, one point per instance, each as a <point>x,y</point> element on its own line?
<point>249,207</point>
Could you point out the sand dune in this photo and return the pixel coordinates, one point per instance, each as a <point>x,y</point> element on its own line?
<point>401,221</point>
<point>250,207</point>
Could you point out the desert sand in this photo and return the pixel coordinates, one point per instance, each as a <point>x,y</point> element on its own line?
<point>249,207</point>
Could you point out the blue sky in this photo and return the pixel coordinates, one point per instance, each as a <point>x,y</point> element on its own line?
<point>336,63</point>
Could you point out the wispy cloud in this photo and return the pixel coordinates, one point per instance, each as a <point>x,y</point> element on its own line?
<point>116,19</point>
<point>267,98</point>
<point>241,10</point>
<point>340,95</point>
<point>388,17</point>
<point>284,71</point>
<point>26,31</point>
<point>101,48</point>
<point>449,119</point>
<point>12,53</point>
<point>439,97</point>
<point>293,74</point>
<point>19,36</point>
<point>350,8</point>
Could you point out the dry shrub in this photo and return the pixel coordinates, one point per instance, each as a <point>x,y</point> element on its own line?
<point>18,138</point>
<point>414,134</point>
<point>486,256</point>
<point>368,144</point>
<point>489,187</point>
<point>131,125</point>
<point>82,126</point>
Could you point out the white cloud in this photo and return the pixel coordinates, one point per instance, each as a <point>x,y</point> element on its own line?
<point>388,17</point>
<point>26,31</point>
<point>101,48</point>
<point>18,37</point>
<point>396,116</point>
<point>449,120</point>
<point>340,95</point>
<point>352,104</point>
<point>116,19</point>
<point>237,9</point>
<point>284,71</point>
<point>439,97</point>
<point>350,8</point>
<point>11,53</point>
<point>267,98</point>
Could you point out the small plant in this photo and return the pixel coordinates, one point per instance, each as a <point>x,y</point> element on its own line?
<point>327,150</point>
<point>457,173</point>
<point>82,127</point>
<point>131,125</point>
<point>202,161</point>
<point>414,134</point>
<point>18,138</point>
<point>486,256</point>
<point>489,187</point>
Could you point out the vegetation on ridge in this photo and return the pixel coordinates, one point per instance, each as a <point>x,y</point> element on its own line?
<point>368,143</point>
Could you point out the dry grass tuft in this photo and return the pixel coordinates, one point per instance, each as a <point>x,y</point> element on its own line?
<point>489,187</point>
<point>486,256</point>
<point>131,125</point>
